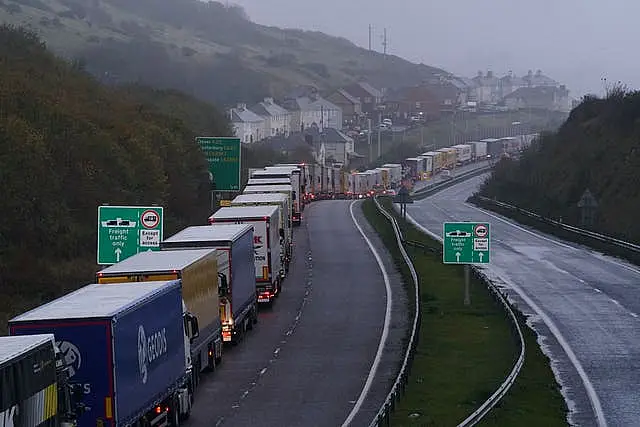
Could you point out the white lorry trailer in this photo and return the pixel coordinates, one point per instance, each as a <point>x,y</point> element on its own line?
<point>266,245</point>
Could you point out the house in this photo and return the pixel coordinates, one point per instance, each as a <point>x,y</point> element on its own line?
<point>277,119</point>
<point>450,95</point>
<point>538,79</point>
<point>405,102</point>
<point>370,98</point>
<point>313,109</point>
<point>540,97</point>
<point>510,83</point>
<point>351,106</point>
<point>337,146</point>
<point>247,125</point>
<point>487,87</point>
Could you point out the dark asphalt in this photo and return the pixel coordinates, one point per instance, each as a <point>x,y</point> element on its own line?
<point>307,360</point>
<point>585,306</point>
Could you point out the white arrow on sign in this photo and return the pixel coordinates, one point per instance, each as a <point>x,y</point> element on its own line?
<point>481,255</point>
<point>458,256</point>
<point>118,251</point>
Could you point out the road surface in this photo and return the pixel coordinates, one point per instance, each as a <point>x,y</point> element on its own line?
<point>308,359</point>
<point>420,185</point>
<point>584,306</point>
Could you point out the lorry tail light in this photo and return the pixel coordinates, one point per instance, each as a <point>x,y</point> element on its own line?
<point>158,409</point>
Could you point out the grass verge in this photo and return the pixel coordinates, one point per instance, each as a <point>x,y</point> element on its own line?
<point>464,353</point>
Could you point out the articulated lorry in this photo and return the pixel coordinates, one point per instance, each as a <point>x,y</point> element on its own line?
<point>266,244</point>
<point>269,189</point>
<point>269,181</point>
<point>34,384</point>
<point>297,188</point>
<point>234,242</point>
<point>201,284</point>
<point>281,201</point>
<point>126,346</point>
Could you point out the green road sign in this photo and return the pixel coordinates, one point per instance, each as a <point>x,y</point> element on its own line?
<point>123,231</point>
<point>223,155</point>
<point>465,243</point>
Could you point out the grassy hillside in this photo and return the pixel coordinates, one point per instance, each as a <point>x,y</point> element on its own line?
<point>597,148</point>
<point>69,144</point>
<point>204,49</point>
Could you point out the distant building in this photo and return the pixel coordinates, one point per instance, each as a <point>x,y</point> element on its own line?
<point>487,87</point>
<point>313,109</point>
<point>370,98</point>
<point>540,97</point>
<point>247,125</point>
<point>351,106</point>
<point>277,120</point>
<point>337,145</point>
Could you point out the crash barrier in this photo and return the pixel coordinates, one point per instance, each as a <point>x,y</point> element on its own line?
<point>382,418</point>
<point>502,390</point>
<point>579,235</point>
<point>432,189</point>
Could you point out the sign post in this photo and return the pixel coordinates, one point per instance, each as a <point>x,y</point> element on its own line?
<point>124,231</point>
<point>465,243</point>
<point>224,159</point>
<point>403,198</point>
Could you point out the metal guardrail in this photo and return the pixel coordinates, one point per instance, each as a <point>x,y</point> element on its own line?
<point>576,230</point>
<point>493,400</point>
<point>428,191</point>
<point>383,415</point>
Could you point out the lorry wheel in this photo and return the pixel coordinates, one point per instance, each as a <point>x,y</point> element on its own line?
<point>174,414</point>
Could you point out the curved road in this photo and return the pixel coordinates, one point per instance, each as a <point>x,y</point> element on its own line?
<point>585,306</point>
<point>309,357</point>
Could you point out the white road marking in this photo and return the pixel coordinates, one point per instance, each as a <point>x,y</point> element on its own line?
<point>591,392</point>
<point>385,329</point>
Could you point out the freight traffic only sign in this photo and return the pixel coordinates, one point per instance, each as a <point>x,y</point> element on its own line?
<point>223,156</point>
<point>465,243</point>
<point>124,231</point>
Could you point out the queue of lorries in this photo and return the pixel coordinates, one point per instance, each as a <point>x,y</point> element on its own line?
<point>130,348</point>
<point>431,163</point>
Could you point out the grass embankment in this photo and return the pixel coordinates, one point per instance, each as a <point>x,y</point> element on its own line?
<point>464,353</point>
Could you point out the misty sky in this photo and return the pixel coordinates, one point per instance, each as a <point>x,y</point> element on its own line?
<point>577,42</point>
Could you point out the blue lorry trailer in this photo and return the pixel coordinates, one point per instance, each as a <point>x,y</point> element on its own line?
<point>234,244</point>
<point>124,345</point>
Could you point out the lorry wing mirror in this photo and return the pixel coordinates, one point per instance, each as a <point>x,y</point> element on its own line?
<point>223,285</point>
<point>281,233</point>
<point>195,330</point>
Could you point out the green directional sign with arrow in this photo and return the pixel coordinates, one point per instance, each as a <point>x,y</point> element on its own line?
<point>465,243</point>
<point>124,231</point>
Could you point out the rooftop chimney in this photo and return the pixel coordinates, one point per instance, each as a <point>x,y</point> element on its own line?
<point>489,74</point>
<point>530,73</point>
<point>242,106</point>
<point>479,73</point>
<point>268,100</point>
<point>538,73</point>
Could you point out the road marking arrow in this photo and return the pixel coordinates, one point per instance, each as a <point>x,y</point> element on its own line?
<point>458,256</point>
<point>118,251</point>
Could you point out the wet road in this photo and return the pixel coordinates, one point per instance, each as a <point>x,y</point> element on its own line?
<point>584,305</point>
<point>307,361</point>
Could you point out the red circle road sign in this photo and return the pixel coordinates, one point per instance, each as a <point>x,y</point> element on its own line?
<point>149,219</point>
<point>481,230</point>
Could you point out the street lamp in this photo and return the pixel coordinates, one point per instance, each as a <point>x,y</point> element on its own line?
<point>380,109</point>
